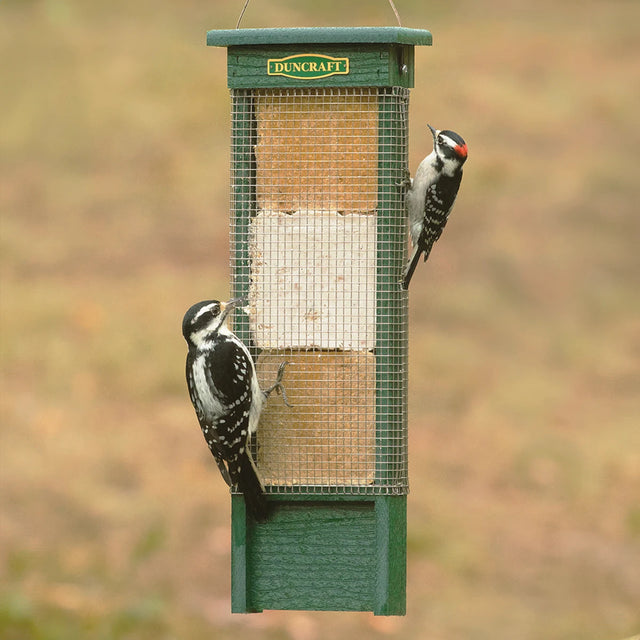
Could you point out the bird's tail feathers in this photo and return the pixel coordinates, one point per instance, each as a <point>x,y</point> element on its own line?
<point>248,482</point>
<point>223,469</point>
<point>427,251</point>
<point>411,267</point>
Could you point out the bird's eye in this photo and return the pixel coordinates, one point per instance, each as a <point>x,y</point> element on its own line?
<point>440,140</point>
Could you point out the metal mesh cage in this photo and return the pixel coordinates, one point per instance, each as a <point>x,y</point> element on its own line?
<point>318,238</point>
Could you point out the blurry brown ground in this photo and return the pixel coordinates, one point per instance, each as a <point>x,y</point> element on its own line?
<point>524,515</point>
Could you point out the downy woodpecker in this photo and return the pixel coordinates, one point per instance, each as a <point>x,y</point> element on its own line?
<point>431,194</point>
<point>226,395</point>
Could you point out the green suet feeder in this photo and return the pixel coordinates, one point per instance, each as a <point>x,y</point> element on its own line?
<point>318,245</point>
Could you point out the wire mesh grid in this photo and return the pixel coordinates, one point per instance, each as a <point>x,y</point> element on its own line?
<point>318,238</point>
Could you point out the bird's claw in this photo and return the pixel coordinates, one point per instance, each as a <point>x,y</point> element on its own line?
<point>405,183</point>
<point>277,386</point>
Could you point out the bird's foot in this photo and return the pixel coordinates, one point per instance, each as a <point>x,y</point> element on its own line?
<point>277,386</point>
<point>406,181</point>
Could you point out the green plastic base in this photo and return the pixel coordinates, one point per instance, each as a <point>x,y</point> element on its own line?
<point>321,554</point>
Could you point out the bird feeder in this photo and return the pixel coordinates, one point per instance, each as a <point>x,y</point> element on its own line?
<point>318,244</point>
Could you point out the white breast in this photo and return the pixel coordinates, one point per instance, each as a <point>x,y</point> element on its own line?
<point>211,406</point>
<point>416,195</point>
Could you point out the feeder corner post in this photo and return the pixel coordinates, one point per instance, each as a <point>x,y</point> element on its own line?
<point>319,151</point>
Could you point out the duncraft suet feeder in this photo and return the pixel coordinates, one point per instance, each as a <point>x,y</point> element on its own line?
<point>318,246</point>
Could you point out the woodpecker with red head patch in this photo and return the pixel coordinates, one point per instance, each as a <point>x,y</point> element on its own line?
<point>432,193</point>
<point>225,393</point>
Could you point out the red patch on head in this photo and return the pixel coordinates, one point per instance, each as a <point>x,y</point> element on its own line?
<point>461,150</point>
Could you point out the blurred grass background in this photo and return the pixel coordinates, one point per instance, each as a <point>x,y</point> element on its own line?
<point>524,515</point>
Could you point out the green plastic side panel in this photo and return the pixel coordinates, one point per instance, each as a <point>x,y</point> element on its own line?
<point>391,327</point>
<point>244,198</point>
<point>379,65</point>
<point>239,570</point>
<point>391,569</point>
<point>324,555</point>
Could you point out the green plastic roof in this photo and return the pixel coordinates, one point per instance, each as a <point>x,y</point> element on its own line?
<point>318,35</point>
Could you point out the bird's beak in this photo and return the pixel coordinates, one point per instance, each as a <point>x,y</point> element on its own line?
<point>230,305</point>
<point>434,133</point>
<point>236,302</point>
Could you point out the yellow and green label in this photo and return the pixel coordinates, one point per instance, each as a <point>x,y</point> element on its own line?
<point>307,66</point>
